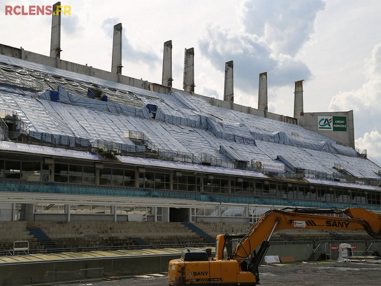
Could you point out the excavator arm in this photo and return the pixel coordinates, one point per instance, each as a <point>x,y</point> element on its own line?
<point>351,219</point>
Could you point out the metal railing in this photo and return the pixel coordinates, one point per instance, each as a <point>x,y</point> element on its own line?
<point>108,191</point>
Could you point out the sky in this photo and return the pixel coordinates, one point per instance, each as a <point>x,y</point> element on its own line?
<point>334,45</point>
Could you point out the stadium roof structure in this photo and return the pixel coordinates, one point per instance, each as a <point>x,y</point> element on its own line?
<point>79,116</point>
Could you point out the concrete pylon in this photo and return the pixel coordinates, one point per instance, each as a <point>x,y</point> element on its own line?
<point>167,64</point>
<point>55,38</point>
<point>229,82</point>
<point>298,99</point>
<point>188,82</point>
<point>262,92</point>
<point>116,62</point>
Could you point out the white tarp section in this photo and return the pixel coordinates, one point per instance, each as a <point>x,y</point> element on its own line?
<point>60,107</point>
<point>343,184</point>
<point>187,167</point>
<point>46,151</point>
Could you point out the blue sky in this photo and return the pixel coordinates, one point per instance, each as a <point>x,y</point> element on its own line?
<point>335,46</point>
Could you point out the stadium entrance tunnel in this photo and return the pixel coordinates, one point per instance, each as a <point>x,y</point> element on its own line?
<point>178,215</point>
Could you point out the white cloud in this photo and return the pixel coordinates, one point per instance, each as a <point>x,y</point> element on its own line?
<point>251,56</point>
<point>366,99</point>
<point>71,25</point>
<point>366,102</point>
<point>371,141</point>
<point>273,33</point>
<point>284,25</point>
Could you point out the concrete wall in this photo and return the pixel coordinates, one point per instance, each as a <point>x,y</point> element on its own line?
<point>225,219</point>
<point>310,121</point>
<point>78,217</point>
<point>299,251</point>
<point>70,66</point>
<point>6,212</point>
<point>80,270</point>
<point>303,251</point>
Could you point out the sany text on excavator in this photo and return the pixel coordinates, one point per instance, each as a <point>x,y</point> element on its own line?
<point>241,268</point>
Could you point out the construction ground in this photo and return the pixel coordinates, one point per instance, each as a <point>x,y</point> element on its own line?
<point>310,274</point>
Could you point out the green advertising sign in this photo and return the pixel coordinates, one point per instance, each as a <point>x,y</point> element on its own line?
<point>332,123</point>
<point>339,123</point>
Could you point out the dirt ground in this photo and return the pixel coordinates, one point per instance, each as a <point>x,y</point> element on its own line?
<point>309,274</point>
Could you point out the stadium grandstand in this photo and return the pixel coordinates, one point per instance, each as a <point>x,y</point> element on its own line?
<point>81,148</point>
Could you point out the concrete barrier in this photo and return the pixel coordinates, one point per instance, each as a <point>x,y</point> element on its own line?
<point>80,270</point>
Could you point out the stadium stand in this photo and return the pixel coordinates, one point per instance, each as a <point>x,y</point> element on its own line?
<point>69,140</point>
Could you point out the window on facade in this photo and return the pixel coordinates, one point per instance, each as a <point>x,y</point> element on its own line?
<point>373,198</point>
<point>180,181</point>
<point>248,186</point>
<point>117,177</point>
<point>31,171</point>
<point>225,186</point>
<point>192,181</point>
<point>88,175</point>
<point>75,174</point>
<point>61,173</point>
<point>149,181</point>
<point>105,176</point>
<point>12,169</point>
<point>216,187</point>
<point>161,181</point>
<point>129,178</point>
<point>258,187</point>
<point>208,183</point>
<point>2,171</point>
<point>237,185</point>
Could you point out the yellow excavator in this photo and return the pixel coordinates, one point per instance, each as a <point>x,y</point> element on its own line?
<point>241,267</point>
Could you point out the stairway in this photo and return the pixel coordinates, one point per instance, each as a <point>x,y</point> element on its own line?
<point>42,238</point>
<point>199,232</point>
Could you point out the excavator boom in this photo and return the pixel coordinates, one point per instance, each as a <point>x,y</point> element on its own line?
<point>348,220</point>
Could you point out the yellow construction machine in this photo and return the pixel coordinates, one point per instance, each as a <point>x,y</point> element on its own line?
<point>241,267</point>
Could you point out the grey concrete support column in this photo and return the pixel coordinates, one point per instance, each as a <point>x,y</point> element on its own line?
<point>55,39</point>
<point>116,63</point>
<point>190,215</point>
<point>351,130</point>
<point>98,168</point>
<point>298,99</point>
<point>229,82</point>
<point>136,178</point>
<point>165,214</point>
<point>13,212</point>
<point>50,163</point>
<point>262,92</point>
<point>171,180</point>
<point>29,212</point>
<point>188,82</point>
<point>51,172</point>
<point>114,213</point>
<point>68,213</point>
<point>155,213</point>
<point>167,64</point>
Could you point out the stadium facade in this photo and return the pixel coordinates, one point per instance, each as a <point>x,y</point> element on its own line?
<point>82,143</point>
